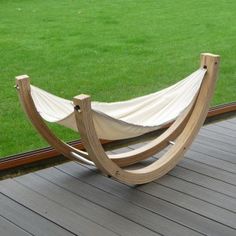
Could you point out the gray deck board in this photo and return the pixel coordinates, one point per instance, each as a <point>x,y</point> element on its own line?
<point>120,206</point>
<point>75,196</point>
<point>221,130</point>
<point>191,203</point>
<point>147,201</point>
<point>216,143</point>
<point>206,150</point>
<point>219,136</point>
<point>233,120</point>
<point>210,171</point>
<point>29,220</point>
<point>198,197</point>
<point>211,161</point>
<point>8,228</point>
<point>229,125</point>
<point>51,210</point>
<point>199,192</point>
<point>204,181</point>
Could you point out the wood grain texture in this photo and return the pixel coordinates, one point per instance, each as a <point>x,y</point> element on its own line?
<point>65,193</point>
<point>172,156</point>
<point>23,87</point>
<point>8,228</point>
<point>148,201</point>
<point>26,219</point>
<point>198,197</point>
<point>51,210</point>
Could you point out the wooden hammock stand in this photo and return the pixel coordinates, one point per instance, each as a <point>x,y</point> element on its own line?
<point>179,135</point>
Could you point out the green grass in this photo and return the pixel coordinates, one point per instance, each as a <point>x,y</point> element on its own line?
<point>113,50</point>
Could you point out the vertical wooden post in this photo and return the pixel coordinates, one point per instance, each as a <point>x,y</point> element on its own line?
<point>84,121</point>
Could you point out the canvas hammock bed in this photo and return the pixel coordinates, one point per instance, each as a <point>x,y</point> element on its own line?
<point>184,103</point>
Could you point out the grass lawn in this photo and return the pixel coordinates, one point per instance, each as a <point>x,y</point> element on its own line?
<point>113,50</point>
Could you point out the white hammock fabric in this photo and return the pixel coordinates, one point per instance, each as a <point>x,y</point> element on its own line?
<point>126,119</point>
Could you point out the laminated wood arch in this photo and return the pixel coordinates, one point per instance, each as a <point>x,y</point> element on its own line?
<point>23,87</point>
<point>183,130</point>
<point>154,146</point>
<point>169,160</point>
<point>125,159</point>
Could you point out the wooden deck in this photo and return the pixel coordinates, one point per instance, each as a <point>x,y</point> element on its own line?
<point>198,197</point>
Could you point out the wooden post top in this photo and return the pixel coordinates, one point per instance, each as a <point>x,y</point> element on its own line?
<point>22,77</point>
<point>82,102</point>
<point>209,54</point>
<point>208,60</point>
<point>23,81</point>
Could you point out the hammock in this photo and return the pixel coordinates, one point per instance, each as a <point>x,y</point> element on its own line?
<point>185,104</point>
<point>120,120</point>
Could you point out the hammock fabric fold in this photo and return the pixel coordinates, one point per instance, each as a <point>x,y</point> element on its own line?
<point>125,119</point>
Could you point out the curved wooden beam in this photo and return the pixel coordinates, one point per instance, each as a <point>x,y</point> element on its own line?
<point>172,156</point>
<point>44,154</point>
<point>23,87</point>
<point>124,159</point>
<point>154,146</point>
